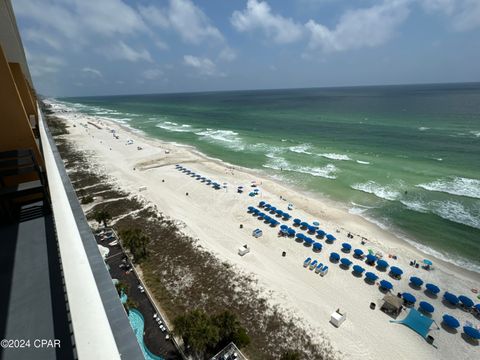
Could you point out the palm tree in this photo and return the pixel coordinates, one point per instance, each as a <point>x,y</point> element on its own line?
<point>102,216</point>
<point>136,241</point>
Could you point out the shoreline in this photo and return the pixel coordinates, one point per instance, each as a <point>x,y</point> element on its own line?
<point>289,281</point>
<point>400,239</point>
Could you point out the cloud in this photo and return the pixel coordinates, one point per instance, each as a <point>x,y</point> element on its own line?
<point>468,16</point>
<point>367,27</point>
<point>227,54</point>
<point>43,64</point>
<point>152,74</point>
<point>186,19</point>
<point>258,15</point>
<point>445,6</point>
<point>92,71</point>
<point>42,38</point>
<point>204,66</point>
<point>122,51</point>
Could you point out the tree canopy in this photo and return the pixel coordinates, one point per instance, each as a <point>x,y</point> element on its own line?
<point>136,241</point>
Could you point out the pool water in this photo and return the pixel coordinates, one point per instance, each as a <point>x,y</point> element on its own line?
<point>123,297</point>
<point>138,324</point>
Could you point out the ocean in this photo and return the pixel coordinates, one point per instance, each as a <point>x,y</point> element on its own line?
<point>404,157</point>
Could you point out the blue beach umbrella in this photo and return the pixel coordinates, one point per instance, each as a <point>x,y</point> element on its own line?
<point>304,224</point>
<point>311,229</point>
<point>477,307</point>
<point>451,298</point>
<point>358,269</point>
<point>261,203</point>
<point>358,252</point>
<point>427,262</point>
<point>472,332</point>
<point>255,211</point>
<point>396,271</point>
<point>427,307</point>
<point>273,209</point>
<point>297,221</point>
<point>346,246</point>
<point>267,206</point>
<point>371,259</point>
<point>434,289</point>
<point>308,241</point>
<point>250,208</point>
<point>382,264</point>
<point>261,215</point>
<point>450,321</point>
<point>334,256</point>
<point>330,237</point>
<point>466,301</point>
<point>279,212</point>
<point>316,223</point>
<point>300,236</point>
<point>321,233</point>
<point>346,262</point>
<point>286,216</point>
<point>409,297</point>
<point>416,281</point>
<point>291,232</point>
<point>371,276</point>
<point>387,285</point>
<point>317,246</point>
<point>267,218</point>
<point>284,227</point>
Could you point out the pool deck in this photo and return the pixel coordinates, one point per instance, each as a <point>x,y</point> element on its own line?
<point>154,338</point>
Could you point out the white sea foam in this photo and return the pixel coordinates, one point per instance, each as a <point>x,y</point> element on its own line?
<point>334,156</point>
<point>301,149</point>
<point>456,212</point>
<point>363,162</point>
<point>174,127</point>
<point>279,163</point>
<point>415,205</point>
<point>475,133</point>
<point>455,186</point>
<point>423,128</point>
<point>226,138</point>
<point>383,192</point>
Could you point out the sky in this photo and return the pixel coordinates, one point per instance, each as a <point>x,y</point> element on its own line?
<point>111,47</point>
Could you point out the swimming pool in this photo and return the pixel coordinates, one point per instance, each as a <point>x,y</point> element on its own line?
<point>138,324</point>
<point>123,297</point>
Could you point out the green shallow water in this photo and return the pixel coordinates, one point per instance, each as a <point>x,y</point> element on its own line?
<point>367,147</point>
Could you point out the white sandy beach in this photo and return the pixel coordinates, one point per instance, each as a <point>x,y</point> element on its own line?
<point>214,218</point>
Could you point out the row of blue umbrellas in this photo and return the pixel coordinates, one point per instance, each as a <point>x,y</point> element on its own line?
<point>215,185</point>
<point>273,209</point>
<point>262,216</point>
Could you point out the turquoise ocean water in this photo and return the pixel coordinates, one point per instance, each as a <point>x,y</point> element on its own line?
<point>404,157</point>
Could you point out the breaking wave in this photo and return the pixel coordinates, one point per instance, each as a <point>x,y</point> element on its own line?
<point>383,192</point>
<point>333,156</point>
<point>279,163</point>
<point>456,186</point>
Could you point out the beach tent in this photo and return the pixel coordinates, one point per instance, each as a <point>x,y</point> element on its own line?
<point>387,285</point>
<point>297,221</point>
<point>451,298</point>
<point>330,237</point>
<point>358,269</point>
<point>382,264</point>
<point>450,321</point>
<point>291,232</point>
<point>334,256</point>
<point>346,247</point>
<point>358,252</point>
<point>416,281</point>
<point>417,322</point>
<point>371,276</point>
<point>317,246</point>
<point>371,259</point>
<point>466,301</point>
<point>427,307</point>
<point>472,332</point>
<point>391,304</point>
<point>409,298</point>
<point>346,262</point>
<point>434,289</point>
<point>396,271</point>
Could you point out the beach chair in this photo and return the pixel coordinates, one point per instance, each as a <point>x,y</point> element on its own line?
<point>318,268</point>
<point>324,271</point>
<point>313,264</point>
<point>307,262</point>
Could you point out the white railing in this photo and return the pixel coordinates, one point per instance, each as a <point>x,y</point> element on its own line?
<point>93,335</point>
